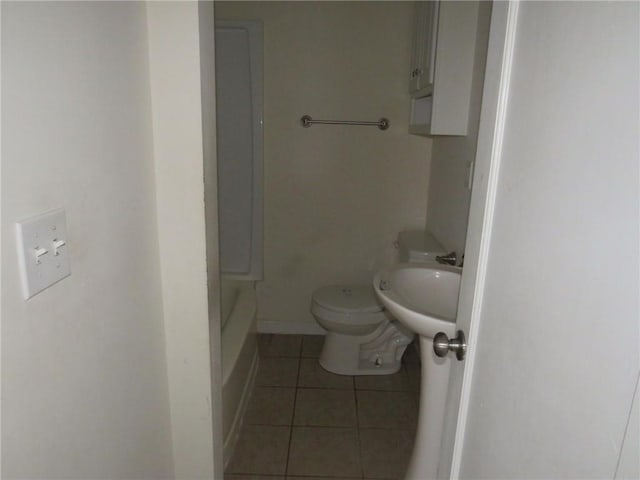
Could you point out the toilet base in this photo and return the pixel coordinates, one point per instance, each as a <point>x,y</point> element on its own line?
<point>377,353</point>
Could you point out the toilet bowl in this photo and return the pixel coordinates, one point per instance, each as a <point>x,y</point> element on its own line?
<point>362,338</point>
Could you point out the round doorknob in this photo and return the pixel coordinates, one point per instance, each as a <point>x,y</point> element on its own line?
<point>442,345</point>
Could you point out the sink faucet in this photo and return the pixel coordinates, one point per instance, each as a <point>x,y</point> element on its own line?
<point>449,259</point>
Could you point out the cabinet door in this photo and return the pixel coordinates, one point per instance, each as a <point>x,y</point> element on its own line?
<point>419,37</point>
<point>428,53</point>
<point>424,48</point>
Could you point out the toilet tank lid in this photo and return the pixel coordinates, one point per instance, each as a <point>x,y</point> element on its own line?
<point>348,299</point>
<point>418,246</point>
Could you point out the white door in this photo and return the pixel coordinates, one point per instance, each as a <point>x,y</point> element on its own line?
<point>550,290</point>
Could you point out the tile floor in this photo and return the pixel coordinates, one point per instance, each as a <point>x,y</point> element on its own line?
<point>304,423</point>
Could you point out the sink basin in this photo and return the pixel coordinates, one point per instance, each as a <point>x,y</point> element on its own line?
<point>424,297</point>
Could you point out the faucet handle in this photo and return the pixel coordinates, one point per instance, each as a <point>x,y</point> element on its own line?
<point>449,259</point>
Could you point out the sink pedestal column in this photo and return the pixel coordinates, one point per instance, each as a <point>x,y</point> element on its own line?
<point>434,381</point>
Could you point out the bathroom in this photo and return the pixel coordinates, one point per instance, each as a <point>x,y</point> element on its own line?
<point>336,196</point>
<point>114,371</point>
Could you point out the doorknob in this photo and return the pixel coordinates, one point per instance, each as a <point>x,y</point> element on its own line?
<point>442,345</point>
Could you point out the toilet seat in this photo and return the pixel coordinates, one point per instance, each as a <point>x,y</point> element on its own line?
<point>350,310</point>
<point>346,299</point>
<point>348,323</point>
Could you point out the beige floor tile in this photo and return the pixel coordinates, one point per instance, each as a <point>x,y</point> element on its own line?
<point>261,450</point>
<point>277,372</point>
<point>398,410</point>
<point>324,452</point>
<point>312,346</point>
<point>325,408</point>
<point>270,406</point>
<point>314,376</point>
<point>270,345</point>
<point>385,453</point>
<point>397,382</point>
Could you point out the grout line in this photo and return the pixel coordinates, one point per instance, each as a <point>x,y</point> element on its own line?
<point>293,414</point>
<point>336,427</point>
<point>311,387</point>
<point>358,441</point>
<point>301,343</point>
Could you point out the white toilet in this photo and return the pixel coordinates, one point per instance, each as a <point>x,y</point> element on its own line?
<point>362,338</point>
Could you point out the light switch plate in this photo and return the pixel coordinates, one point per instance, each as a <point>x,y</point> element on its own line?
<point>42,251</point>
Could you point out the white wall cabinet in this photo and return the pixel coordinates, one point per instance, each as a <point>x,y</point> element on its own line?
<point>442,67</point>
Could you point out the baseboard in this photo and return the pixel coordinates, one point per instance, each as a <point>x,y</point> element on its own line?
<point>290,328</point>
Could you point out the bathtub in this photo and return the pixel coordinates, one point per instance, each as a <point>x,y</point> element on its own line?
<point>239,355</point>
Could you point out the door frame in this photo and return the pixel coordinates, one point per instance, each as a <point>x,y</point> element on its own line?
<point>495,99</point>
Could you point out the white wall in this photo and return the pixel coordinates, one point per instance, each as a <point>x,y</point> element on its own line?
<point>84,380</point>
<point>335,196</point>
<point>176,92</point>
<point>448,207</point>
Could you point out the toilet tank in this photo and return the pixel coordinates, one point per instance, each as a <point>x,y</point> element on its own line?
<point>418,246</point>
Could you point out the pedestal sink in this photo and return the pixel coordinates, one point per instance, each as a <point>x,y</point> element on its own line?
<point>424,297</point>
